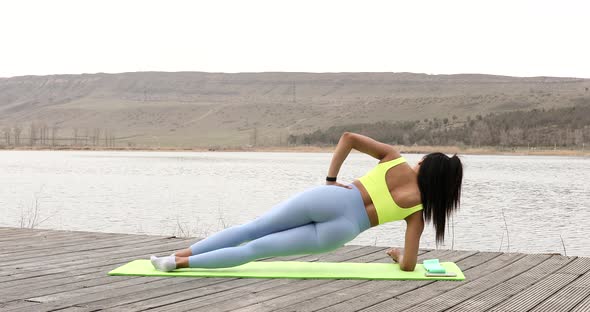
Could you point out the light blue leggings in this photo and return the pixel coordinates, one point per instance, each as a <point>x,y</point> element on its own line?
<point>317,220</point>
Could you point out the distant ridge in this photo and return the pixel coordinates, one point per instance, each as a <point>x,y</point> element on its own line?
<point>222,109</point>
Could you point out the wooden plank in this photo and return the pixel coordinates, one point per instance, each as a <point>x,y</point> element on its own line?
<point>21,233</point>
<point>221,294</point>
<point>36,230</point>
<point>583,306</point>
<point>80,291</point>
<point>34,240</point>
<point>23,230</point>
<point>209,287</point>
<point>10,237</point>
<point>87,260</point>
<point>568,297</point>
<point>73,309</point>
<point>29,243</point>
<point>16,234</point>
<point>387,298</point>
<point>330,287</point>
<point>58,266</point>
<point>44,243</point>
<point>90,246</point>
<point>474,287</point>
<point>246,299</point>
<point>501,282</point>
<point>148,289</point>
<point>558,292</point>
<point>56,253</point>
<point>354,299</point>
<point>84,266</point>
<point>537,293</point>
<point>188,285</point>
<point>509,288</point>
<point>61,285</point>
<point>147,285</point>
<point>469,289</point>
<point>64,294</point>
<point>112,294</point>
<point>366,292</point>
<point>579,266</point>
<point>90,249</point>
<point>246,296</point>
<point>136,302</point>
<point>74,258</point>
<point>172,297</point>
<point>6,306</point>
<point>78,265</point>
<point>47,242</point>
<point>175,248</point>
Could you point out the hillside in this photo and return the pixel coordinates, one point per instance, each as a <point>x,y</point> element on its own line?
<point>203,109</point>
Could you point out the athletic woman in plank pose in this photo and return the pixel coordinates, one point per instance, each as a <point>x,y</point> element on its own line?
<point>325,217</point>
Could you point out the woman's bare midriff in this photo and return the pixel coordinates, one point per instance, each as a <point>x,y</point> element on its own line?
<point>371,212</point>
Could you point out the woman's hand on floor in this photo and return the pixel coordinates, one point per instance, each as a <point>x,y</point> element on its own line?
<point>394,253</point>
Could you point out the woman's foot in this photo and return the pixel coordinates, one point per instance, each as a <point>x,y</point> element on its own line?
<point>164,264</point>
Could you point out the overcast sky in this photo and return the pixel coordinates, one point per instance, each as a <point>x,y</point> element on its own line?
<point>516,38</point>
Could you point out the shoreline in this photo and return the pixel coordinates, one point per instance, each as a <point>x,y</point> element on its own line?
<point>329,149</point>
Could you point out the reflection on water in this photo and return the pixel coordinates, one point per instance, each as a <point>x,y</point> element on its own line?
<point>541,199</point>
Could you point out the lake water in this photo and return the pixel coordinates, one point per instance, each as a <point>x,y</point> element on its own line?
<point>544,199</point>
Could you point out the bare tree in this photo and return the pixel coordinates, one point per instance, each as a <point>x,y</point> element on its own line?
<point>96,136</point>
<point>43,133</point>
<point>7,134</point>
<point>254,137</point>
<point>41,130</point>
<point>17,131</point>
<point>33,133</point>
<point>46,134</point>
<point>31,217</point>
<point>75,136</point>
<point>109,138</point>
<point>112,139</point>
<point>53,134</point>
<point>85,136</point>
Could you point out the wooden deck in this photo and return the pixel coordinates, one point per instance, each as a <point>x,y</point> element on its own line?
<point>47,270</point>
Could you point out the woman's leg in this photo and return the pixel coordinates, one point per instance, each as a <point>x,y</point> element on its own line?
<point>291,213</point>
<point>322,219</point>
<point>306,239</point>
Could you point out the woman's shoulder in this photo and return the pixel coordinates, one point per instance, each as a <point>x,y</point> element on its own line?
<point>392,155</point>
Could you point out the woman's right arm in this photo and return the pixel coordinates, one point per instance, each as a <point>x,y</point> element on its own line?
<point>361,143</point>
<point>369,146</point>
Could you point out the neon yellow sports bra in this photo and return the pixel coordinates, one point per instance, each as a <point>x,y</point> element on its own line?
<point>374,182</point>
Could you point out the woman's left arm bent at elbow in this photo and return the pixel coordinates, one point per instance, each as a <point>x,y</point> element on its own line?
<point>414,228</point>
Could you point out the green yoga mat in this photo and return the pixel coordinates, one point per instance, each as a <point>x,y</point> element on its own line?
<point>296,269</point>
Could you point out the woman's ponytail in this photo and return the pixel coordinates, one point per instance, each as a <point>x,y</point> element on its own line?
<point>439,180</point>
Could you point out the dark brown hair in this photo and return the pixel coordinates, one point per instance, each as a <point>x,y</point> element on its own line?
<point>439,180</point>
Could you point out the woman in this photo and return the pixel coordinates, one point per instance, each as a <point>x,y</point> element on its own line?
<point>324,218</point>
